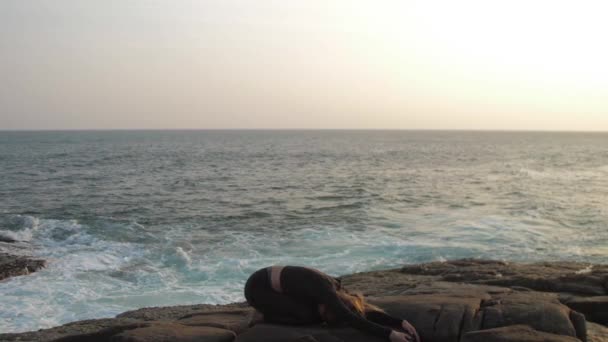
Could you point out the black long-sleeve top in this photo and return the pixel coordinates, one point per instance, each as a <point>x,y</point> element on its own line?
<point>321,289</point>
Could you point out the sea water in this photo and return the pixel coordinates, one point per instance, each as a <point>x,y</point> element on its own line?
<point>128,219</point>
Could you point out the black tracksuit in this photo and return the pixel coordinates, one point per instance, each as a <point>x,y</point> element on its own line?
<point>303,289</point>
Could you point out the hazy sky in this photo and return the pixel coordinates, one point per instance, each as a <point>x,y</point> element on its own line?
<point>468,64</point>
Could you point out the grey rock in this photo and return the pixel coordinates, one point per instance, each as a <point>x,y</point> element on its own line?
<point>384,283</point>
<point>281,333</point>
<point>436,317</point>
<point>173,332</point>
<point>580,325</point>
<point>103,334</point>
<point>541,311</point>
<point>515,333</point>
<point>569,277</point>
<point>96,329</point>
<point>233,320</point>
<point>597,333</point>
<point>15,265</point>
<point>177,312</point>
<point>447,314</point>
<point>594,308</point>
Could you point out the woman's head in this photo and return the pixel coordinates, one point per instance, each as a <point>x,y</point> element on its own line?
<point>355,302</point>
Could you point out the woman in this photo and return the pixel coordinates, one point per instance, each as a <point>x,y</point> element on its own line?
<point>300,295</point>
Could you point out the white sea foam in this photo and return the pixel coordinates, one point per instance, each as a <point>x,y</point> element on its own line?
<point>90,275</point>
<point>75,278</point>
<point>28,227</point>
<point>562,174</point>
<point>585,270</point>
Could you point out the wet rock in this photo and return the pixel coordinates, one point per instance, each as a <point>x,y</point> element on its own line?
<point>14,265</point>
<point>515,333</point>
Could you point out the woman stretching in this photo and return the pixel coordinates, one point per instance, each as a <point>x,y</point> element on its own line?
<point>300,295</point>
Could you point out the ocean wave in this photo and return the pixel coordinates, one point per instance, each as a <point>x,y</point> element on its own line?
<point>331,208</point>
<point>21,228</point>
<point>560,174</point>
<point>329,197</point>
<point>99,270</point>
<point>167,218</point>
<point>92,277</point>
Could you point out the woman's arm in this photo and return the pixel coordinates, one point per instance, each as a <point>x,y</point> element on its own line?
<point>344,314</point>
<point>383,318</point>
<point>393,322</point>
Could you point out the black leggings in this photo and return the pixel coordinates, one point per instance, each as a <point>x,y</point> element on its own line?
<point>278,307</point>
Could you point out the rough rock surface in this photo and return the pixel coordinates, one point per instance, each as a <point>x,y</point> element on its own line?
<point>233,320</point>
<point>462,300</point>
<point>595,308</point>
<point>278,333</point>
<point>447,316</point>
<point>161,332</point>
<point>514,333</point>
<point>14,265</point>
<point>180,312</point>
<point>597,333</point>
<point>87,330</point>
<point>571,277</point>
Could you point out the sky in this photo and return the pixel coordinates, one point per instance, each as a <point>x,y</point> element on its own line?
<point>334,64</point>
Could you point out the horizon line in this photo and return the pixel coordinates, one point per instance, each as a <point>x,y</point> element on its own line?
<point>300,129</point>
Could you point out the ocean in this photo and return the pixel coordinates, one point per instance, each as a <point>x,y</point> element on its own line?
<point>128,219</point>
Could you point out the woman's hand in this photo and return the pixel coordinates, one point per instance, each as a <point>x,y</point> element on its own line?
<point>399,337</point>
<point>410,330</point>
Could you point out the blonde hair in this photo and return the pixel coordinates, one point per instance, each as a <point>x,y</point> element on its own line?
<point>356,303</point>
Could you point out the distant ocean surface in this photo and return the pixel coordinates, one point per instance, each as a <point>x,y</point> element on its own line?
<point>128,219</point>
